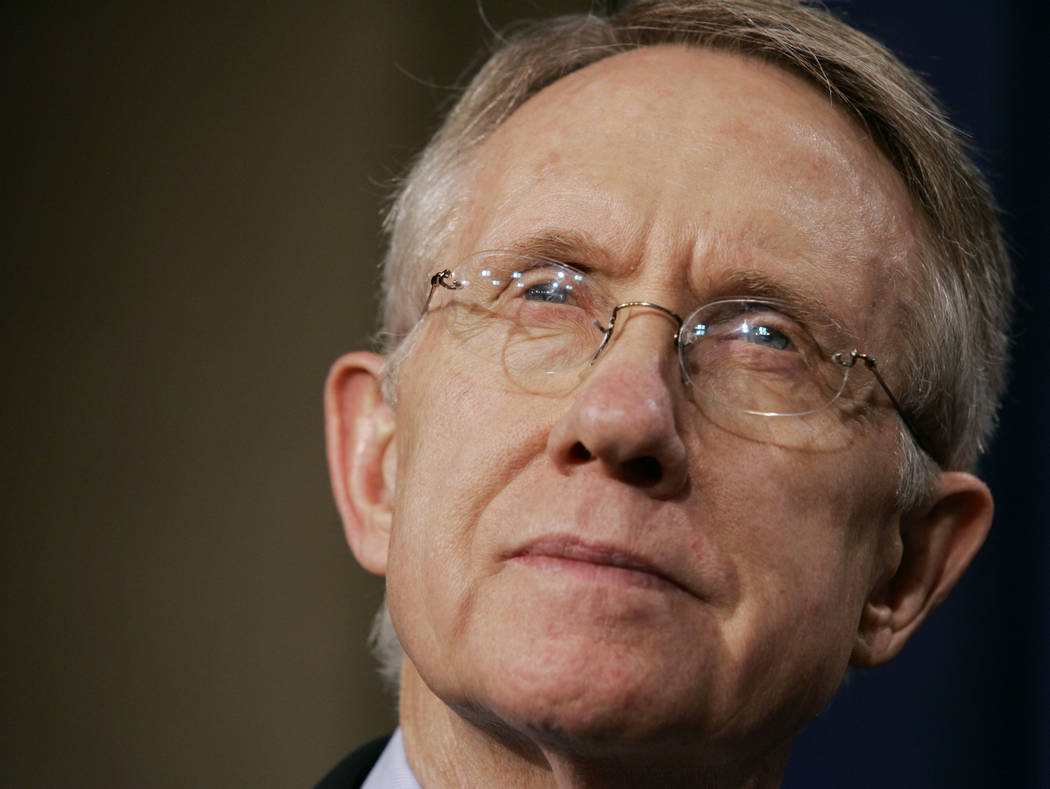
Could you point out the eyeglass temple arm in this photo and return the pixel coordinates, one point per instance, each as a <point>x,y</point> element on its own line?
<point>871,364</point>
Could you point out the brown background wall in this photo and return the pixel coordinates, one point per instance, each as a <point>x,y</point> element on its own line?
<point>190,237</point>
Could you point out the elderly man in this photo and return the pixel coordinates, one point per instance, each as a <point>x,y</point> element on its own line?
<point>695,324</point>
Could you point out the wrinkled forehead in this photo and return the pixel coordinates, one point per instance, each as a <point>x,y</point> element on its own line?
<point>706,160</point>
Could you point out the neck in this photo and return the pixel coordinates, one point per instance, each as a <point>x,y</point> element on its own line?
<point>448,749</point>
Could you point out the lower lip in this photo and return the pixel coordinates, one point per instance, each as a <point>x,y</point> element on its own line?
<point>607,574</point>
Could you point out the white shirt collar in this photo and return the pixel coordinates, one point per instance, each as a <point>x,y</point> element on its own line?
<point>392,770</point>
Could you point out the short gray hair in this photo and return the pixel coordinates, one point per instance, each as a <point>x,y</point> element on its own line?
<point>957,310</point>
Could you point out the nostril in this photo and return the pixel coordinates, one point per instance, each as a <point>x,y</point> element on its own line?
<point>578,453</point>
<point>641,471</point>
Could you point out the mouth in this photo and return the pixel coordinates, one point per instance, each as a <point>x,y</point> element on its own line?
<point>596,562</point>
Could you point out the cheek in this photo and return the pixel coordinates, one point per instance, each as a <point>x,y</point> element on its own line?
<point>803,531</point>
<point>461,441</point>
<point>463,427</point>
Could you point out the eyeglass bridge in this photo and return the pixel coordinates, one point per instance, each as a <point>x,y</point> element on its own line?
<point>608,330</point>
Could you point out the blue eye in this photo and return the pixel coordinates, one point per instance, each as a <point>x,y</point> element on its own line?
<point>765,335</point>
<point>550,292</point>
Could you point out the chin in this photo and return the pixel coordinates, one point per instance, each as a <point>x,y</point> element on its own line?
<point>584,697</point>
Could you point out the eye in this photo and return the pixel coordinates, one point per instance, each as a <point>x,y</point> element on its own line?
<point>750,327</point>
<point>551,284</point>
<point>550,292</point>
<point>529,290</point>
<point>761,334</point>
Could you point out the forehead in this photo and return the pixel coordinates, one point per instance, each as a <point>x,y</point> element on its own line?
<point>697,164</point>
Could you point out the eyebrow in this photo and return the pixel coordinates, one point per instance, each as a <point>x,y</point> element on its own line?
<point>562,246</point>
<point>807,308</point>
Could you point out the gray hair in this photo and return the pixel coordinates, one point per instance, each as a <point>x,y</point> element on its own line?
<point>956,311</point>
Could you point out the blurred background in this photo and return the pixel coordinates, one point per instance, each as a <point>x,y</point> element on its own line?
<point>191,233</point>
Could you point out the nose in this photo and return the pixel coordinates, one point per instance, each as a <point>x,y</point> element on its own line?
<point>624,418</point>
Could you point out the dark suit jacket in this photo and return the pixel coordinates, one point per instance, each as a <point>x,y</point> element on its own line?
<point>352,771</point>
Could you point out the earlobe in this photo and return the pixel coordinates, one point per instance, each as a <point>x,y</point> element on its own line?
<point>362,461</point>
<point>936,543</point>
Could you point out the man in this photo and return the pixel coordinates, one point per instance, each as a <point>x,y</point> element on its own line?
<point>696,325</point>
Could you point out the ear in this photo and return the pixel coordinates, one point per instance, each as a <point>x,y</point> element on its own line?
<point>362,455</point>
<point>937,541</point>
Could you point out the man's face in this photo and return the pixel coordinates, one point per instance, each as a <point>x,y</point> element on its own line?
<point>751,544</point>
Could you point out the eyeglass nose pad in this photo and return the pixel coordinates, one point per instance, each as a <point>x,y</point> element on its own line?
<point>606,334</point>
